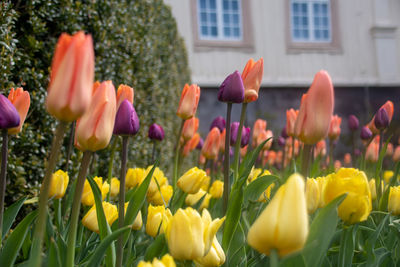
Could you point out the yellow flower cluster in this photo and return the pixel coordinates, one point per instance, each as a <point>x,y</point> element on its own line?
<point>166,261</point>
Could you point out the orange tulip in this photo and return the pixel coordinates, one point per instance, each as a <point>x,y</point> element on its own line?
<point>372,153</point>
<point>21,101</point>
<point>291,116</point>
<point>334,127</point>
<point>190,128</point>
<point>389,108</point>
<point>347,159</point>
<point>95,128</point>
<point>124,92</point>
<point>264,135</point>
<point>320,149</point>
<point>191,144</point>
<point>389,150</point>
<point>211,144</point>
<point>316,108</point>
<point>396,154</point>
<point>243,151</point>
<point>252,76</point>
<point>259,126</point>
<point>189,101</point>
<point>72,73</point>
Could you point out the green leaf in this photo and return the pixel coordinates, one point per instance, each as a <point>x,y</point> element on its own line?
<point>378,169</point>
<point>294,260</point>
<point>232,216</point>
<point>322,230</point>
<point>383,203</point>
<point>347,243</point>
<point>98,254</point>
<point>372,260</point>
<point>236,255</point>
<point>253,190</point>
<point>10,213</point>
<point>156,248</point>
<point>15,240</point>
<point>54,255</point>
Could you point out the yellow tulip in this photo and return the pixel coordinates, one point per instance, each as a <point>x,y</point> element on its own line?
<point>192,199</point>
<point>321,183</point>
<point>114,187</point>
<point>372,188</point>
<point>283,225</point>
<point>312,195</point>
<point>387,175</point>
<point>58,184</point>
<point>87,194</point>
<point>90,219</point>
<point>266,194</point>
<point>206,184</point>
<point>134,177</point>
<point>157,175</point>
<point>166,192</point>
<point>217,189</point>
<point>357,205</point>
<point>188,235</point>
<point>138,223</point>
<point>394,200</point>
<point>192,180</point>
<point>255,173</point>
<point>215,257</point>
<point>166,261</point>
<point>155,215</point>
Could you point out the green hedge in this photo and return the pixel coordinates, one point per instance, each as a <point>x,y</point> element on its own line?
<point>136,43</point>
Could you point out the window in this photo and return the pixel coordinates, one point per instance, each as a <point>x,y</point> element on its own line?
<point>219,20</point>
<point>310,21</point>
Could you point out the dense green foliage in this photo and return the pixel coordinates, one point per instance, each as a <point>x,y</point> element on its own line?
<point>136,43</point>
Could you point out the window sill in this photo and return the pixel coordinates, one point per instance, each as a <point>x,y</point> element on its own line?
<point>208,45</point>
<point>309,47</point>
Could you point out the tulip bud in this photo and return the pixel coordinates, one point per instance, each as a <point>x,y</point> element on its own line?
<point>192,199</point>
<point>381,119</point>
<point>281,141</point>
<point>191,181</point>
<point>232,89</point>
<point>234,133</point>
<point>72,72</point>
<point>291,116</point>
<point>217,189</point>
<point>396,154</point>
<point>155,216</point>
<point>258,127</point>
<point>189,101</point>
<point>312,195</point>
<point>166,261</point>
<point>166,192</point>
<point>58,184</point>
<point>114,187</point>
<point>21,101</point>
<point>372,152</point>
<point>394,200</point>
<point>190,128</point>
<point>353,123</point>
<point>264,135</point>
<point>387,175</point>
<point>90,219</point>
<point>215,257</point>
<point>389,108</point>
<point>334,127</point>
<point>280,233</point>
<point>134,177</point>
<point>87,194</point>
<point>156,132</point>
<point>222,137</point>
<point>9,117</point>
<point>252,77</point>
<point>211,144</point>
<point>138,223</point>
<point>218,122</point>
<point>366,133</point>
<point>124,92</point>
<point>126,120</point>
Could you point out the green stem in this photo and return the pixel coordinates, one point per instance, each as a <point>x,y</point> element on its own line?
<point>70,145</point>
<point>305,161</point>
<point>176,159</point>
<point>378,172</point>
<point>274,258</point>
<point>226,156</point>
<point>3,178</point>
<point>76,204</point>
<point>110,164</point>
<point>40,226</point>
<point>153,152</point>
<point>238,141</point>
<point>121,206</point>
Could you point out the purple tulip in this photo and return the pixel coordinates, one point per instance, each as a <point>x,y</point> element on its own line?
<point>281,141</point>
<point>9,117</point>
<point>218,122</point>
<point>353,123</point>
<point>156,132</point>
<point>245,134</point>
<point>126,120</point>
<point>365,133</point>
<point>284,133</point>
<point>381,120</point>
<point>200,144</point>
<point>232,89</point>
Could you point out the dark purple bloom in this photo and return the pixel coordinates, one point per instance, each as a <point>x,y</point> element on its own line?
<point>232,89</point>
<point>126,120</point>
<point>245,134</point>
<point>281,141</point>
<point>156,132</point>
<point>365,133</point>
<point>218,122</point>
<point>353,123</point>
<point>9,116</point>
<point>284,133</point>
<point>381,119</point>
<point>200,144</point>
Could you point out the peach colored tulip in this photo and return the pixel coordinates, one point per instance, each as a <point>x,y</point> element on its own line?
<point>189,101</point>
<point>291,116</point>
<point>389,108</point>
<point>190,128</point>
<point>222,141</point>
<point>389,150</point>
<point>316,108</point>
<point>252,76</point>
<point>259,126</point>
<point>124,92</point>
<point>264,135</point>
<point>372,153</point>
<point>347,159</point>
<point>243,151</point>
<point>95,128</point>
<point>334,127</point>
<point>396,154</point>
<point>320,149</point>
<point>211,144</point>
<point>191,144</point>
<point>72,73</point>
<point>21,101</point>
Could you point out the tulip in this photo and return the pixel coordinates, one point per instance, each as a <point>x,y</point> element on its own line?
<point>312,195</point>
<point>321,182</point>
<point>366,133</point>
<point>281,141</point>
<point>218,122</point>
<point>334,127</point>
<point>347,159</point>
<point>381,119</point>
<point>243,151</point>
<point>255,173</point>
<point>353,123</point>
<point>394,200</point>
<point>191,181</point>
<point>217,189</point>
<point>114,187</point>
<point>90,219</point>
<point>232,89</point>
<point>269,157</point>
<point>21,101</point>
<point>138,223</point>
<point>191,145</point>
<point>200,144</point>
<point>258,127</point>
<point>320,149</point>
<point>9,115</point>
<point>264,135</point>
<point>211,144</point>
<point>155,216</point>
<point>222,137</point>
<point>126,120</point>
<point>134,177</point>
<point>124,92</point>
<point>372,152</point>
<point>156,132</point>
<point>396,154</point>
<point>166,192</point>
<point>188,235</point>
<point>387,175</point>
<point>357,204</point>
<point>157,175</point>
<point>389,150</point>
<point>58,184</point>
<point>166,261</point>
<point>206,184</point>
<point>215,257</point>
<point>275,227</point>
<point>189,101</point>
<point>87,194</point>
<point>245,134</point>
<point>389,108</point>
<point>94,129</point>
<point>192,199</point>
<point>190,128</point>
<point>291,117</point>
<point>252,75</point>
<point>72,72</point>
